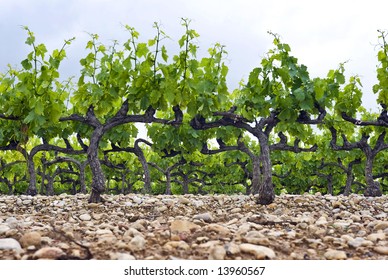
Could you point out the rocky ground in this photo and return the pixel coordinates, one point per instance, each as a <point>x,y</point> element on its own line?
<point>193,227</point>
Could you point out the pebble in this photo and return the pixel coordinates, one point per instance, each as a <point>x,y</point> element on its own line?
<point>217,252</point>
<point>341,225</point>
<point>49,253</point>
<point>32,238</point>
<point>97,216</point>
<point>9,244</point>
<point>235,210</point>
<point>321,221</point>
<point>85,217</point>
<point>178,226</point>
<point>220,229</point>
<point>4,228</point>
<point>198,203</point>
<point>162,208</point>
<point>59,203</point>
<point>260,252</point>
<point>376,236</point>
<point>121,256</point>
<point>206,217</point>
<point>184,200</point>
<point>137,200</point>
<point>12,222</point>
<point>381,225</point>
<point>359,241</point>
<point>335,255</point>
<point>383,250</point>
<point>132,232</point>
<point>232,248</point>
<point>104,231</point>
<point>27,202</point>
<point>191,227</point>
<point>172,245</point>
<point>137,243</point>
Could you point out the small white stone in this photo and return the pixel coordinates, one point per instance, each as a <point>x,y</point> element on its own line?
<point>217,253</point>
<point>121,256</point>
<point>321,221</point>
<point>335,255</point>
<point>104,231</point>
<point>49,253</point>
<point>383,250</point>
<point>381,225</point>
<point>260,252</point>
<point>27,202</point>
<point>206,217</point>
<point>9,243</point>
<point>184,200</point>
<point>356,242</point>
<point>376,236</point>
<point>137,200</point>
<point>85,217</point>
<point>173,245</point>
<point>137,243</point>
<point>198,203</point>
<point>4,228</point>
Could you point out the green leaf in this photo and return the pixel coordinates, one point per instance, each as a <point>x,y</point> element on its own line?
<point>306,104</point>
<point>182,41</point>
<point>224,70</point>
<point>54,62</point>
<point>26,64</point>
<point>299,94</point>
<point>169,94</point>
<point>101,48</point>
<point>319,88</point>
<point>376,88</point>
<point>340,78</point>
<point>164,54</point>
<point>30,117</point>
<point>285,115</point>
<point>381,55</point>
<point>142,50</point>
<point>155,96</point>
<point>39,107</point>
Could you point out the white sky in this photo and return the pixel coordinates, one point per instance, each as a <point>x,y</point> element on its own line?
<point>321,34</point>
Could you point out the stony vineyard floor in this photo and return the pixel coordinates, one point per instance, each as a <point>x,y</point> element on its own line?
<point>193,227</point>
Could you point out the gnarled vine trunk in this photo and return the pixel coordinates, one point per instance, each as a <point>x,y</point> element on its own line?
<point>31,190</point>
<point>266,191</point>
<point>256,176</point>
<point>373,188</point>
<point>147,176</point>
<point>98,177</point>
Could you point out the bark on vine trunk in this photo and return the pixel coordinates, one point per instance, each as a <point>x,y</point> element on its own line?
<point>256,176</point>
<point>50,185</point>
<point>330,184</point>
<point>266,190</point>
<point>31,190</point>
<point>82,177</point>
<point>348,185</point>
<point>147,176</point>
<point>372,187</point>
<point>98,177</point>
<point>168,183</point>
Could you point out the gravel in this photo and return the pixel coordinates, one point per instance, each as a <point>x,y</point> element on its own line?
<point>218,227</point>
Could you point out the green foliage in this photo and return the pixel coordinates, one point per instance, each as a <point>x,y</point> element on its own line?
<point>34,95</point>
<point>146,75</point>
<point>382,71</point>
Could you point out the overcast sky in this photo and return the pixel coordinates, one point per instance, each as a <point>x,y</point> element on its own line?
<point>322,34</point>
